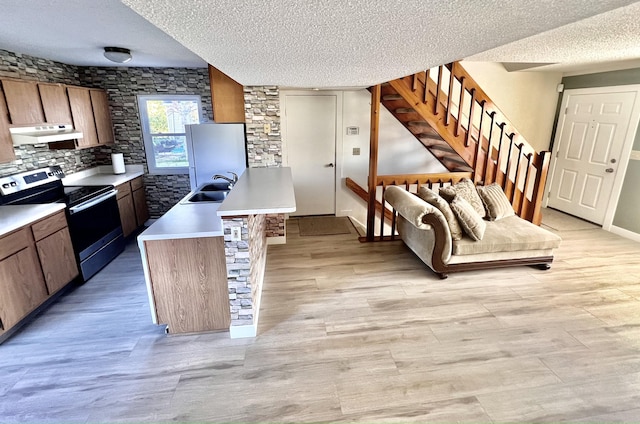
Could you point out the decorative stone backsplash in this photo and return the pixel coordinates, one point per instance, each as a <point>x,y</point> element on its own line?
<point>28,157</point>
<point>262,106</point>
<point>123,85</point>
<point>246,260</point>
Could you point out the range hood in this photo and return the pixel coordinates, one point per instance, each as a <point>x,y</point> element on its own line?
<point>43,134</point>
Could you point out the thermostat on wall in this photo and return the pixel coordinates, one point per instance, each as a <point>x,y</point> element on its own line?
<point>353,130</point>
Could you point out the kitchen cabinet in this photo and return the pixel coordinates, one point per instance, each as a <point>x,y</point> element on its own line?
<point>82,114</point>
<point>126,208</point>
<point>55,103</point>
<point>36,261</point>
<point>102,116</point>
<point>189,283</point>
<point>132,203</point>
<point>227,97</point>
<point>7,154</point>
<point>139,201</point>
<point>23,102</point>
<point>22,287</point>
<point>55,251</point>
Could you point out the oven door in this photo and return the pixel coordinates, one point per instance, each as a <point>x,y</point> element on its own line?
<point>94,223</point>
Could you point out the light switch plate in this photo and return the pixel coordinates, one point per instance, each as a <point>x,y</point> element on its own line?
<point>356,151</point>
<point>236,233</point>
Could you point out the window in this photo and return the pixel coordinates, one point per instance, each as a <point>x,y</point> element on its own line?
<point>163,119</point>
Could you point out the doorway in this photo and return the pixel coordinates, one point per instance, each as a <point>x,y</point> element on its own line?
<point>592,145</point>
<point>309,133</point>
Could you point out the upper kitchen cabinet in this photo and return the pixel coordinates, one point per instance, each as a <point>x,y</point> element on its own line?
<point>82,114</point>
<point>102,116</point>
<point>90,114</point>
<point>23,102</point>
<point>227,97</point>
<point>7,154</point>
<point>55,103</point>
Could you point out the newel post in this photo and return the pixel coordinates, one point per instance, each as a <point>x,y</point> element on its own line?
<point>373,160</point>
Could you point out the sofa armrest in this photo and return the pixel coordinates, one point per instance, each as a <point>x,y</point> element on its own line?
<point>411,207</point>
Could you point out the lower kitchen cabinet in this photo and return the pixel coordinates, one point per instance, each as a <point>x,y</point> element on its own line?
<point>132,204</point>
<point>57,260</point>
<point>139,201</point>
<point>189,281</point>
<point>22,287</point>
<point>36,261</point>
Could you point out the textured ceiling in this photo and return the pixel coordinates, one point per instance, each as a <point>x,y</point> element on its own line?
<point>330,43</point>
<point>308,43</point>
<point>585,45</point>
<point>76,31</point>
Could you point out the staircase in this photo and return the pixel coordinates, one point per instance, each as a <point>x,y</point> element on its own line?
<point>448,112</point>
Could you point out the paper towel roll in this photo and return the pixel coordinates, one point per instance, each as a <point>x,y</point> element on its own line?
<point>117,160</point>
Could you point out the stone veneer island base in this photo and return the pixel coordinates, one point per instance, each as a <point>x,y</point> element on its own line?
<point>201,278</point>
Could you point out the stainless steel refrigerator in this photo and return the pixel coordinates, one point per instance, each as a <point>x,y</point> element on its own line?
<point>215,149</point>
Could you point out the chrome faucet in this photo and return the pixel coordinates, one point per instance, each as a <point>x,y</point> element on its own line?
<point>231,181</point>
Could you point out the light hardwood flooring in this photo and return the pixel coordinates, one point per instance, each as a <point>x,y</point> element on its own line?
<point>350,332</point>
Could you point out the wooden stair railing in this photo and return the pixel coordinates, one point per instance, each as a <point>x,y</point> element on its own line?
<point>410,182</point>
<point>462,114</point>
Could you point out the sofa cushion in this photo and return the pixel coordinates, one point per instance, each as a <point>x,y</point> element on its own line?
<point>436,200</point>
<point>495,202</point>
<point>467,190</point>
<point>470,221</point>
<point>508,235</point>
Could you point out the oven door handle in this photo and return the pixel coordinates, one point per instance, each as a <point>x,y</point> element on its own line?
<point>92,202</point>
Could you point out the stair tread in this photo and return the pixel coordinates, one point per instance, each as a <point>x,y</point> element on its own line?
<point>392,97</point>
<point>402,110</point>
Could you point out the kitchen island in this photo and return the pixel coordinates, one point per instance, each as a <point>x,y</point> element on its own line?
<point>204,262</point>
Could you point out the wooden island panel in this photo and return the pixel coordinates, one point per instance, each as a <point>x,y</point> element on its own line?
<point>189,283</point>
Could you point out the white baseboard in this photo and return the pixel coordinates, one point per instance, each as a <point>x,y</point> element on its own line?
<point>243,331</point>
<point>277,240</point>
<point>625,233</point>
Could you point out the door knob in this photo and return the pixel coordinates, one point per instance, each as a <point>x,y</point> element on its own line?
<point>609,170</point>
<point>329,165</point>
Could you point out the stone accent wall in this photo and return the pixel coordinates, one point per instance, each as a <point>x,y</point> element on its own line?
<point>246,260</point>
<point>264,149</point>
<point>262,106</point>
<point>275,225</point>
<point>29,157</point>
<point>123,85</point>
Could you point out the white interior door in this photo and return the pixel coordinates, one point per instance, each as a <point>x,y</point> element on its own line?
<point>310,130</point>
<point>589,144</point>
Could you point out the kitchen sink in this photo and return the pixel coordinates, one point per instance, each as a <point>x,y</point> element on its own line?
<point>214,187</point>
<point>209,196</point>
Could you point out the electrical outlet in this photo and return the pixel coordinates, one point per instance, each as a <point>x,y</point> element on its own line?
<point>267,128</point>
<point>356,151</point>
<point>236,233</point>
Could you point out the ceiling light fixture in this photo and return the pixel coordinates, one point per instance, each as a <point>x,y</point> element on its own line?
<point>117,54</point>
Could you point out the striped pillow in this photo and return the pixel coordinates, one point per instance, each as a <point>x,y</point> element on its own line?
<point>434,199</point>
<point>495,202</point>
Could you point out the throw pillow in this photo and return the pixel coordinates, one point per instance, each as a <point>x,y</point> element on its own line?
<point>495,202</point>
<point>467,190</point>
<point>469,219</point>
<point>435,200</point>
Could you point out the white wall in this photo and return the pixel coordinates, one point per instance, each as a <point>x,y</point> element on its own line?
<point>528,99</point>
<point>398,152</point>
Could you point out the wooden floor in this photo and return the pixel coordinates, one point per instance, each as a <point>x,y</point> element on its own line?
<point>350,332</point>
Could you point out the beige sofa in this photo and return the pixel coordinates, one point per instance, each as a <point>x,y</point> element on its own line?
<point>509,241</point>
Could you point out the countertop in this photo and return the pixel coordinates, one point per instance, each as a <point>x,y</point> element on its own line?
<point>260,191</point>
<point>186,221</point>
<point>103,175</point>
<point>13,217</point>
